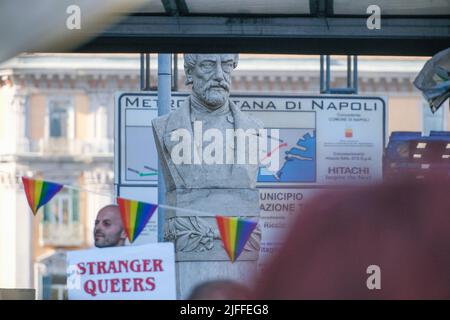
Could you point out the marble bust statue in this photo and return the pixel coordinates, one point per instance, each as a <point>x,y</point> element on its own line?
<point>225,188</point>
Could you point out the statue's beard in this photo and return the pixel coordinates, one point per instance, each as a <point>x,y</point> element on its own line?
<point>211,93</point>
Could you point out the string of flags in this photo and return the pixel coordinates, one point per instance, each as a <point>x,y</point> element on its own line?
<point>135,215</point>
<point>39,192</point>
<point>235,232</point>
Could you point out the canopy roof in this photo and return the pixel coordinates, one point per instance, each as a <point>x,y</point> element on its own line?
<point>298,7</point>
<point>408,27</point>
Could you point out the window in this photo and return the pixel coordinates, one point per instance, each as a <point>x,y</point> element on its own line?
<point>60,118</point>
<point>60,209</point>
<point>61,225</point>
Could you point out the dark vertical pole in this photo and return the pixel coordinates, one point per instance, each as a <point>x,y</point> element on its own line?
<point>147,71</point>
<point>175,72</point>
<point>322,78</point>
<point>327,69</point>
<point>164,101</point>
<point>349,72</point>
<point>142,71</point>
<point>355,73</point>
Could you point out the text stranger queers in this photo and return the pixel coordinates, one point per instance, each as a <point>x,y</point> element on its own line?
<point>116,285</point>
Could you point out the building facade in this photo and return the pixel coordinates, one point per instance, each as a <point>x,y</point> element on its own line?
<point>57,123</point>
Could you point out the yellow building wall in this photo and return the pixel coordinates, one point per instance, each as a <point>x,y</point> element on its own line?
<point>81,116</point>
<point>83,207</point>
<point>404,114</point>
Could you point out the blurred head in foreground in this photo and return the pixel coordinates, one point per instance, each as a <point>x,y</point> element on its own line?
<point>220,290</point>
<point>108,230</point>
<point>403,228</point>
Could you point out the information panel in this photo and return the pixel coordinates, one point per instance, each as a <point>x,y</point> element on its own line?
<point>323,141</point>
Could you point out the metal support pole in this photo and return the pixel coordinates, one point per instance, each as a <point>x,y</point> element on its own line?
<point>322,70</point>
<point>164,101</point>
<point>349,71</point>
<point>328,73</point>
<point>175,72</point>
<point>355,74</point>
<point>142,68</point>
<point>352,76</point>
<point>147,71</point>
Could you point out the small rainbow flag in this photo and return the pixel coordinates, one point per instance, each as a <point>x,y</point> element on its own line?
<point>135,215</point>
<point>235,233</point>
<point>39,192</point>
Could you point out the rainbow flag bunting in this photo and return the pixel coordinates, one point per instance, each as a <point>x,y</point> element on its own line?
<point>39,192</point>
<point>135,215</point>
<point>235,233</point>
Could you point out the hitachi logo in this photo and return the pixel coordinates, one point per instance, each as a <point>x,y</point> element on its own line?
<point>348,170</point>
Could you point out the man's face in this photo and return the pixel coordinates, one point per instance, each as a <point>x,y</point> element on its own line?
<point>108,231</point>
<point>211,78</point>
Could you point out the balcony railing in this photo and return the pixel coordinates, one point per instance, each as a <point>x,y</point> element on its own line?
<point>61,235</point>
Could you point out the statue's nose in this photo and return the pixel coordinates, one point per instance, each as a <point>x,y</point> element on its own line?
<point>218,75</point>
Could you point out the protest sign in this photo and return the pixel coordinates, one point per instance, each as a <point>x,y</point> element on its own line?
<point>124,273</point>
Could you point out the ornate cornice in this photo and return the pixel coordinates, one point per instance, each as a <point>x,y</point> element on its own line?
<point>10,180</point>
<point>110,81</point>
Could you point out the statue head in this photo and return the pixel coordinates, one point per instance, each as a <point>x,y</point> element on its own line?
<point>210,76</point>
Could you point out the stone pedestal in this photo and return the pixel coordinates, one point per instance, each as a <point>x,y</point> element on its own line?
<point>192,273</point>
<point>200,255</point>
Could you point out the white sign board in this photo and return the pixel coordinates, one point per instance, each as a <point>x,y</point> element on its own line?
<point>135,156</point>
<point>145,272</point>
<point>323,140</point>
